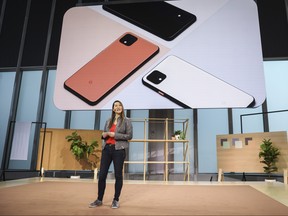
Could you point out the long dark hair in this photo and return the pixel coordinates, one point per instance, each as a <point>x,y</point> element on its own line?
<point>113,113</point>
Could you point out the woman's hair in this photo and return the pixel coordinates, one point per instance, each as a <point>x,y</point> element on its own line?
<point>113,114</point>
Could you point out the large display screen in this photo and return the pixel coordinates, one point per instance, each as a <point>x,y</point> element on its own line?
<point>191,54</point>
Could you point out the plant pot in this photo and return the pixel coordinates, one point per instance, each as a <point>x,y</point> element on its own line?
<point>177,137</point>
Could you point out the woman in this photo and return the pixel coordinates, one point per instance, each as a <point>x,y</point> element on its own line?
<point>117,131</point>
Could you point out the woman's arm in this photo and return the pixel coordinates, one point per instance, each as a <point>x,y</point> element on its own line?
<point>106,132</point>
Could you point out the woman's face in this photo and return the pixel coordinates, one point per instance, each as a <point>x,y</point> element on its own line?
<point>117,108</point>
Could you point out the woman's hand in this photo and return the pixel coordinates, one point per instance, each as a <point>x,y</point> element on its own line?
<point>110,134</point>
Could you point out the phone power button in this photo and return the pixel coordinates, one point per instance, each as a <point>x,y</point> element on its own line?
<point>161,93</point>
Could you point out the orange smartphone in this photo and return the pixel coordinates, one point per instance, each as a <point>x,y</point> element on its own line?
<point>108,69</point>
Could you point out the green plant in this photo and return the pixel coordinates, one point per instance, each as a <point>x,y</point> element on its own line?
<point>82,150</point>
<point>269,155</point>
<point>179,134</point>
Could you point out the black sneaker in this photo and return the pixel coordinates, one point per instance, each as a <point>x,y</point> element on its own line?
<point>95,204</point>
<point>115,204</point>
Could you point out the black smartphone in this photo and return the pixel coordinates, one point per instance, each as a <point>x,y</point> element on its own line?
<point>159,18</point>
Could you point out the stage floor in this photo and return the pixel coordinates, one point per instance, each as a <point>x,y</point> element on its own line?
<point>276,190</point>
<point>66,196</point>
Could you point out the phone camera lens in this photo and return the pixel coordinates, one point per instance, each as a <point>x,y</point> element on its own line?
<point>156,77</point>
<point>128,39</point>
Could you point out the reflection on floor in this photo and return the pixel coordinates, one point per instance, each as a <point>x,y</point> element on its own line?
<point>275,190</point>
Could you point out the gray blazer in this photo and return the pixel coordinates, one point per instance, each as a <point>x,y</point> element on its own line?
<point>123,133</point>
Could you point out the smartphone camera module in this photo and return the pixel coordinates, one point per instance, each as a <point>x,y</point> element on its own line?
<point>128,39</point>
<point>156,77</point>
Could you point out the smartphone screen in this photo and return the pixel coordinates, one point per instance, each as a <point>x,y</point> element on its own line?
<point>108,69</point>
<point>191,87</point>
<point>160,18</point>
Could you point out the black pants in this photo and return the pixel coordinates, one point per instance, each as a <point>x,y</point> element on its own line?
<point>109,154</point>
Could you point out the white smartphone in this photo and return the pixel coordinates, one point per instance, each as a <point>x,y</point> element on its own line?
<point>191,87</point>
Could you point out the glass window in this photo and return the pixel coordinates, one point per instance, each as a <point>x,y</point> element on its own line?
<point>211,122</point>
<point>277,98</point>
<point>250,123</point>
<point>29,96</point>
<point>82,120</point>
<point>52,116</point>
<point>11,32</point>
<point>27,110</point>
<point>36,36</point>
<point>6,90</point>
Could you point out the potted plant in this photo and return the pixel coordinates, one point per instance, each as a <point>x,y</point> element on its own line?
<point>269,155</point>
<point>84,151</point>
<point>179,135</point>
